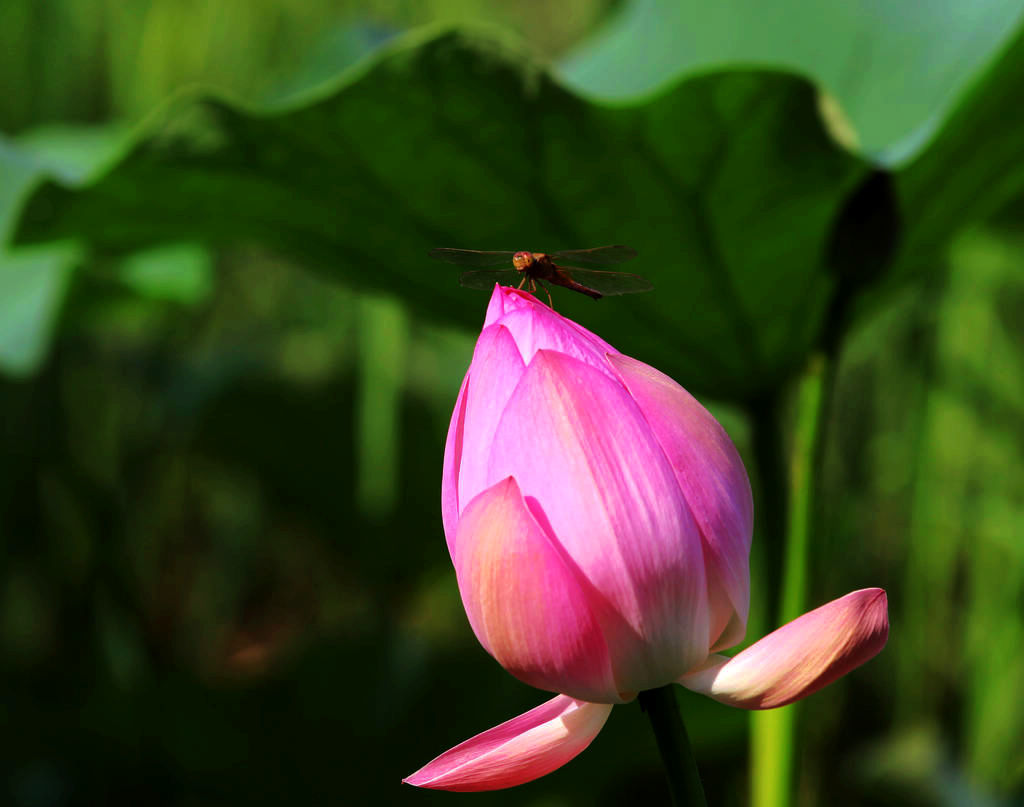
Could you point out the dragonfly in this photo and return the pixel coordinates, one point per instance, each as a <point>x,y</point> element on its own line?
<point>531,269</point>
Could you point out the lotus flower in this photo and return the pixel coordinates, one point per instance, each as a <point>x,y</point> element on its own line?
<point>599,519</point>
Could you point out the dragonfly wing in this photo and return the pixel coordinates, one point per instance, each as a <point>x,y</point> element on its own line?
<point>471,257</point>
<point>608,283</point>
<point>486,278</point>
<point>597,256</point>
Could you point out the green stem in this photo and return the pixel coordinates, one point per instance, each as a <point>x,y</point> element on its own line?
<point>674,746</point>
<point>804,475</point>
<point>773,732</point>
<point>383,336</point>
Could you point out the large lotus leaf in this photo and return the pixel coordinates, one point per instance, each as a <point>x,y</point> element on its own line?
<point>896,68</point>
<point>972,167</point>
<point>899,223</point>
<point>33,280</point>
<point>727,185</point>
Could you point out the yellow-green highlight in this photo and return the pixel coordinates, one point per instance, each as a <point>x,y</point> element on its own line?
<point>773,732</point>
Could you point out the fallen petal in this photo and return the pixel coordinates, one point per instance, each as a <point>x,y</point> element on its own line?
<point>519,750</point>
<point>801,657</point>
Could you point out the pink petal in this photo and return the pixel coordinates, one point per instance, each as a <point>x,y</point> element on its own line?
<point>450,469</point>
<point>519,750</point>
<point>525,602</point>
<point>714,482</point>
<point>801,657</point>
<point>506,299</point>
<point>496,305</point>
<point>534,326</point>
<point>494,372</point>
<point>592,337</point>
<point>578,445</point>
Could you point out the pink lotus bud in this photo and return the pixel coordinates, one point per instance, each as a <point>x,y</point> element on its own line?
<point>598,517</point>
<point>599,520</point>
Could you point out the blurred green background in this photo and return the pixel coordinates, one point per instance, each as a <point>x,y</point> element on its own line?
<point>228,369</point>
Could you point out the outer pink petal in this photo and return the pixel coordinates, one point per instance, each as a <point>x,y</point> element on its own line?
<point>494,373</point>
<point>578,445</point>
<point>496,305</point>
<point>801,657</point>
<point>450,469</point>
<point>525,603</point>
<point>534,326</point>
<point>590,336</point>
<point>518,751</point>
<point>714,482</point>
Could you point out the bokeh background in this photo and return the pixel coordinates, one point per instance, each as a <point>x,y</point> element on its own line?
<point>228,368</point>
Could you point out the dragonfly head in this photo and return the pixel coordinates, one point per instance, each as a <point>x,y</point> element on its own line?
<point>522,260</point>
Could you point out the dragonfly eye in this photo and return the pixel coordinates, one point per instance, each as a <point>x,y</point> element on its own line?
<point>522,259</point>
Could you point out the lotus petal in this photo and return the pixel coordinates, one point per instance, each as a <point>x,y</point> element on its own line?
<point>519,750</point>
<point>801,657</point>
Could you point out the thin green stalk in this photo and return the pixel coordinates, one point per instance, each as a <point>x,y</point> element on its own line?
<point>384,334</point>
<point>673,744</point>
<point>773,732</point>
<point>804,469</point>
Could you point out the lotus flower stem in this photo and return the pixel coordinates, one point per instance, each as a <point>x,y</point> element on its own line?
<point>674,745</point>
<point>773,732</point>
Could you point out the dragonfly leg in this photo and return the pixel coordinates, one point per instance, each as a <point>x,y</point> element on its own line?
<point>551,303</point>
<point>522,282</point>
